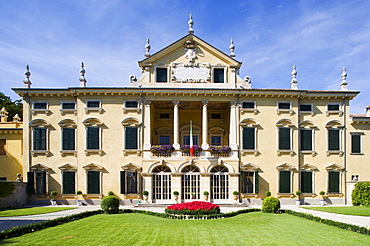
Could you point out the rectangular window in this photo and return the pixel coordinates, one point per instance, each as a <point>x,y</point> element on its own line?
<point>92,138</point>
<point>68,105</point>
<point>39,138</point>
<point>164,140</point>
<point>306,139</point>
<point>161,75</point>
<point>249,138</point>
<point>284,138</point>
<point>334,182</point>
<point>40,105</point>
<point>333,107</point>
<point>93,104</point>
<point>187,140</point>
<point>164,115</point>
<point>2,146</point>
<point>69,183</point>
<point>93,182</point>
<point>131,104</point>
<point>68,138</point>
<point>305,107</point>
<point>333,139</point>
<point>2,178</point>
<point>284,182</point>
<point>216,116</point>
<point>219,75</point>
<point>283,105</point>
<point>356,144</point>
<point>128,182</point>
<point>131,138</point>
<point>248,105</point>
<point>247,182</point>
<point>306,182</point>
<point>216,140</point>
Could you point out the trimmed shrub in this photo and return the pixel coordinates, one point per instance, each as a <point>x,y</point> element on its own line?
<point>6,189</point>
<point>206,193</point>
<point>110,193</point>
<point>110,205</point>
<point>270,205</point>
<point>235,193</point>
<point>145,193</point>
<point>79,192</point>
<point>361,194</point>
<point>268,193</point>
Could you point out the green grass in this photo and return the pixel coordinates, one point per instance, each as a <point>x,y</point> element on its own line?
<point>31,211</point>
<point>359,211</point>
<point>138,229</point>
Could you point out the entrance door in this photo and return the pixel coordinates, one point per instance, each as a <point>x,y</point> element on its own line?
<point>190,183</point>
<point>161,184</point>
<point>219,184</point>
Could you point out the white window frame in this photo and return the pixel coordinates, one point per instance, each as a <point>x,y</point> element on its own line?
<point>339,112</point>
<point>100,150</point>
<point>64,152</point>
<point>279,111</point>
<point>64,111</point>
<point>306,112</point>
<point>168,73</point>
<point>138,126</point>
<point>340,151</point>
<point>340,180</point>
<point>36,152</point>
<point>254,110</point>
<point>291,182</point>
<point>225,74</point>
<point>313,151</point>
<point>137,109</point>
<point>361,149</point>
<point>290,150</point>
<point>88,110</point>
<point>40,110</point>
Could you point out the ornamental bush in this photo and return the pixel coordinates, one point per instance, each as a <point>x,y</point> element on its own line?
<point>110,205</point>
<point>361,194</point>
<point>193,208</point>
<point>270,205</point>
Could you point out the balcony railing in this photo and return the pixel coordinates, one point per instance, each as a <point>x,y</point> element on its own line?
<point>169,151</point>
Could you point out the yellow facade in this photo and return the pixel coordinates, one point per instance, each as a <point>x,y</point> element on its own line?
<point>117,129</point>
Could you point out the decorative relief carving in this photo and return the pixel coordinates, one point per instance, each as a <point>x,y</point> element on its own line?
<point>190,73</point>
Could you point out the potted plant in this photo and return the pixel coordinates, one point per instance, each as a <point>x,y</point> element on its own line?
<point>236,195</point>
<point>145,196</point>
<point>53,201</point>
<point>79,195</point>
<point>206,194</point>
<point>110,193</point>
<point>298,201</point>
<point>176,195</point>
<point>322,201</point>
<point>268,193</point>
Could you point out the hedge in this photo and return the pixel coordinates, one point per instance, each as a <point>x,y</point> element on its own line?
<point>6,189</point>
<point>361,194</point>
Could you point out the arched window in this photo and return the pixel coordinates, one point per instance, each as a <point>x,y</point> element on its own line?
<point>161,183</point>
<point>219,182</point>
<point>190,181</point>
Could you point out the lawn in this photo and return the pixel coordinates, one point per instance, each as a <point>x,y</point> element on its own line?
<point>138,229</point>
<point>360,211</point>
<point>31,211</point>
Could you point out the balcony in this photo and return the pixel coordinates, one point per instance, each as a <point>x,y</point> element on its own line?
<point>168,151</point>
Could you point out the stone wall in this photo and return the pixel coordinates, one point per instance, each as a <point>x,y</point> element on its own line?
<point>18,198</point>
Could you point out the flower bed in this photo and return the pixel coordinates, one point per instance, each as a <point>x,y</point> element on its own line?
<point>193,208</point>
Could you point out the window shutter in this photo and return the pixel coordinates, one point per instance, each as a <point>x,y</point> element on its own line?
<point>30,183</point>
<point>333,182</point>
<point>256,180</point>
<point>356,142</point>
<point>69,183</point>
<point>284,138</point>
<point>68,139</point>
<point>306,182</point>
<point>334,139</point>
<point>93,184</point>
<point>284,186</point>
<point>43,188</point>
<point>248,138</point>
<point>93,138</point>
<point>131,138</point>
<point>123,183</point>
<point>39,138</point>
<point>306,139</point>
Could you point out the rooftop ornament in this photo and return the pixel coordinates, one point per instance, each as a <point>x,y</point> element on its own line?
<point>82,78</point>
<point>147,48</point>
<point>232,48</point>
<point>27,81</point>
<point>294,81</point>
<point>190,23</point>
<point>343,85</point>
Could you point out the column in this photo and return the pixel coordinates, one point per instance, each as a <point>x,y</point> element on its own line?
<point>232,136</point>
<point>176,143</point>
<point>204,126</point>
<point>147,128</point>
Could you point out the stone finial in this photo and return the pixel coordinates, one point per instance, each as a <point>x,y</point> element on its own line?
<point>247,82</point>
<point>190,23</point>
<point>368,111</point>
<point>16,118</point>
<point>147,48</point>
<point>232,48</point>
<point>294,81</point>
<point>82,78</point>
<point>343,85</point>
<point>3,115</point>
<point>27,81</point>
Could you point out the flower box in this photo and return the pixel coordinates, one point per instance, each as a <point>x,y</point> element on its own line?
<point>220,151</point>
<point>162,150</point>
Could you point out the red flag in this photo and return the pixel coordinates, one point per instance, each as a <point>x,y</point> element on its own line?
<point>191,139</point>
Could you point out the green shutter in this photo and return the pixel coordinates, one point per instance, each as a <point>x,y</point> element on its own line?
<point>333,186</point>
<point>306,139</point>
<point>356,144</point>
<point>256,180</point>
<point>68,139</point>
<point>131,138</point>
<point>69,183</point>
<point>43,188</point>
<point>334,139</point>
<point>123,183</point>
<point>30,183</point>
<point>306,182</point>
<point>93,182</point>
<point>39,138</point>
<point>93,138</point>
<point>248,138</point>
<point>284,138</point>
<point>284,185</point>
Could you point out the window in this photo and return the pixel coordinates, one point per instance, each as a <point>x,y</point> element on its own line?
<point>306,139</point>
<point>92,137</point>
<point>187,140</point>
<point>131,104</point>
<point>219,75</point>
<point>219,182</point>
<point>334,139</point>
<point>164,115</point>
<point>93,182</point>
<point>2,146</point>
<point>333,107</point>
<point>249,182</point>
<point>284,138</point>
<point>249,138</point>
<point>68,105</point>
<point>305,107</point>
<point>40,105</point>
<point>36,183</point>
<point>248,105</point>
<point>68,138</point>
<point>334,182</point>
<point>39,138</point>
<point>216,140</point>
<point>164,140</point>
<point>283,105</point>
<point>216,116</point>
<point>355,144</point>
<point>2,178</point>
<point>69,182</point>
<point>161,75</point>
<point>306,182</point>
<point>161,183</point>
<point>93,104</point>
<point>284,182</point>
<point>131,138</point>
<point>190,181</point>
<point>129,182</point>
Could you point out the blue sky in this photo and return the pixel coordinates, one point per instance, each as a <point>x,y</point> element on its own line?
<point>54,37</point>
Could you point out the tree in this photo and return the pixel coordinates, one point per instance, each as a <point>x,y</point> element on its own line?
<point>13,108</point>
